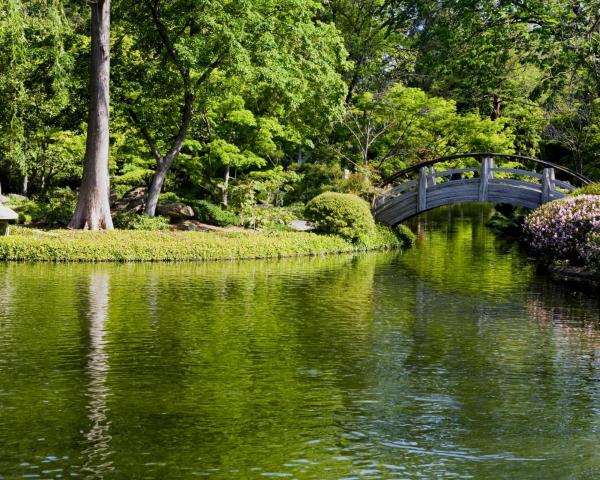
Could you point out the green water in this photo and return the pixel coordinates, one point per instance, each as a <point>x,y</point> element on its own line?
<point>452,360</point>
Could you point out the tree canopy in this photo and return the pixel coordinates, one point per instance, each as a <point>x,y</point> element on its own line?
<point>227,100</point>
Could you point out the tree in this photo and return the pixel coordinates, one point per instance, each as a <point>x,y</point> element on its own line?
<point>37,86</point>
<point>405,125</point>
<point>172,52</point>
<point>93,208</point>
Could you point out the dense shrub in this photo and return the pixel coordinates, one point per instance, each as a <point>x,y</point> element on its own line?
<point>564,229</point>
<point>54,209</point>
<point>134,221</point>
<point>25,244</point>
<point>591,189</point>
<point>213,214</point>
<point>341,214</point>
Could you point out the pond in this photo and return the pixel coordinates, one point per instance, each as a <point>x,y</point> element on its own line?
<point>451,360</point>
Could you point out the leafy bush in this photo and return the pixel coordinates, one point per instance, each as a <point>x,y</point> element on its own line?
<point>25,244</point>
<point>341,214</point>
<point>213,214</point>
<point>134,221</point>
<point>58,209</point>
<point>272,218</point>
<point>565,228</point>
<point>591,189</point>
<point>54,209</point>
<point>405,235</point>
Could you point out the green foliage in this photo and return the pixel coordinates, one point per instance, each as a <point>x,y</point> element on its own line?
<point>402,126</point>
<point>272,218</point>
<point>591,189</point>
<point>54,209</point>
<point>341,214</point>
<point>406,235</point>
<point>508,220</point>
<point>139,246</point>
<point>135,221</point>
<point>213,214</point>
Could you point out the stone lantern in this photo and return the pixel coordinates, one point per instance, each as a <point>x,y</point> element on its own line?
<point>6,215</point>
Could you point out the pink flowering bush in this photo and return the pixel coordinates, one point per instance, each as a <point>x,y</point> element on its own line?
<point>592,251</point>
<point>566,229</point>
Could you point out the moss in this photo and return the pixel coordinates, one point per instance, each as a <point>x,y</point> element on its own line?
<point>144,246</point>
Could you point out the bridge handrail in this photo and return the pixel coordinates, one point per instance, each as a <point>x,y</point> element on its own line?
<point>415,168</point>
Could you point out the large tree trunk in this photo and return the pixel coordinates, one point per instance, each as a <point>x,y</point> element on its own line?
<point>163,164</point>
<point>93,208</point>
<point>155,188</point>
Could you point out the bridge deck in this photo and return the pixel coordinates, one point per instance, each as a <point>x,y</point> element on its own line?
<point>485,184</point>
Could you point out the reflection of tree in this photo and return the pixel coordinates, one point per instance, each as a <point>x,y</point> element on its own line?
<point>459,255</point>
<point>97,461</point>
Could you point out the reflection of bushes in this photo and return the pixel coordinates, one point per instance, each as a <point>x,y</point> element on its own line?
<point>566,229</point>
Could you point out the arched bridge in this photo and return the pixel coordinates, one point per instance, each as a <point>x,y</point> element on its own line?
<point>421,187</point>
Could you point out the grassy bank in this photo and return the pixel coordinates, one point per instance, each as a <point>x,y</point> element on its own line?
<point>141,246</point>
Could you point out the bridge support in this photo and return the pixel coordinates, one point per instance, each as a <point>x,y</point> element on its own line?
<point>422,190</point>
<point>548,180</point>
<point>485,174</point>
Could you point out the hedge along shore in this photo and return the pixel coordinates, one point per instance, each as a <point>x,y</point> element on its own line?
<point>26,245</point>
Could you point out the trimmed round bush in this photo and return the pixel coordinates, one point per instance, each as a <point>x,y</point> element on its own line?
<point>343,214</point>
<point>565,229</point>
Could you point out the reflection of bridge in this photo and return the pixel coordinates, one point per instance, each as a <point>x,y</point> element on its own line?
<point>484,183</point>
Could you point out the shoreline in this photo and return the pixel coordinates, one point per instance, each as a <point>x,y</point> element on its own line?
<point>572,274</point>
<point>124,246</point>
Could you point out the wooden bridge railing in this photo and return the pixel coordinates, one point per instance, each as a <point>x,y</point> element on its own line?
<point>486,183</point>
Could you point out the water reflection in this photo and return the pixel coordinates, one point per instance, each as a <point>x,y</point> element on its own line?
<point>97,451</point>
<point>452,360</point>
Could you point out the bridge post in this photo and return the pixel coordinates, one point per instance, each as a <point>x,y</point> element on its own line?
<point>431,178</point>
<point>547,184</point>
<point>486,172</point>
<point>422,190</point>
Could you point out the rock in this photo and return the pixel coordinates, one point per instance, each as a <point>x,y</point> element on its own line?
<point>133,201</point>
<point>176,211</point>
<point>196,226</point>
<point>301,225</point>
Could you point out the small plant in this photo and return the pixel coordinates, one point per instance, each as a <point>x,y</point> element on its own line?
<point>342,214</point>
<point>563,229</point>
<point>213,214</point>
<point>591,189</point>
<point>133,221</point>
